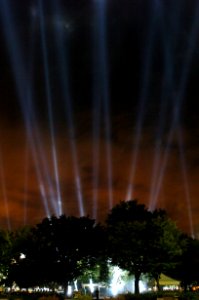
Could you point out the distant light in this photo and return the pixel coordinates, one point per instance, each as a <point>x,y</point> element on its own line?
<point>69,291</point>
<point>142,286</point>
<point>91,285</point>
<point>75,284</point>
<point>117,283</point>
<point>22,256</point>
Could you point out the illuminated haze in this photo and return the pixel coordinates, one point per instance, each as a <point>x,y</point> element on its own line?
<point>99,103</point>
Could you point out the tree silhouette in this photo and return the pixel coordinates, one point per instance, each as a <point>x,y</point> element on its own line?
<point>141,241</point>
<point>57,251</point>
<point>127,233</point>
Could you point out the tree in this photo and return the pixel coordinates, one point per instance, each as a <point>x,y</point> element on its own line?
<point>127,232</point>
<point>98,273</point>
<point>164,247</point>
<point>57,251</point>
<point>141,241</point>
<point>188,264</point>
<point>23,249</point>
<point>5,253</point>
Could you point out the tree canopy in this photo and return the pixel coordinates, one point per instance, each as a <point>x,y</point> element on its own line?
<point>146,242</point>
<point>57,251</point>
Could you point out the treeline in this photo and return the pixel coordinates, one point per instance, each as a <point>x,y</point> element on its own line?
<point>61,249</point>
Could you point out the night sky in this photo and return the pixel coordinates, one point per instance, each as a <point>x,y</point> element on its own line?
<point>99,102</point>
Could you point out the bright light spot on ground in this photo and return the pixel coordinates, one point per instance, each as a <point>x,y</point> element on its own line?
<point>91,286</point>
<point>69,291</point>
<point>117,282</point>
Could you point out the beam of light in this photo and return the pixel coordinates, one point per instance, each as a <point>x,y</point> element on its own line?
<point>39,157</point>
<point>26,171</point>
<point>37,149</point>
<point>44,197</point>
<point>178,100</point>
<point>62,53</point>
<point>40,162</point>
<point>102,66</point>
<point>49,102</point>
<point>166,91</point>
<point>26,163</point>
<point>96,127</point>
<point>157,152</point>
<point>20,80</point>
<point>33,136</point>
<point>96,124</point>
<point>96,154</point>
<point>39,171</point>
<point>186,181</point>
<point>147,65</point>
<point>4,192</point>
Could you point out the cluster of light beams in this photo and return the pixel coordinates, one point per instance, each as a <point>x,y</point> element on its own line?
<point>15,53</point>
<point>49,187</point>
<point>33,132</point>
<point>25,98</point>
<point>166,92</point>
<point>50,113</point>
<point>62,53</point>
<point>177,102</point>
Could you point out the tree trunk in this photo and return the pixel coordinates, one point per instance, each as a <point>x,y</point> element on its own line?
<point>137,279</point>
<point>157,279</point>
